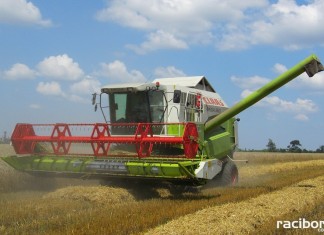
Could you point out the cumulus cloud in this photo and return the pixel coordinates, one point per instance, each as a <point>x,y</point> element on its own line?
<point>66,79</point>
<point>307,20</point>
<point>86,86</point>
<point>174,24</point>
<point>300,108</point>
<point>229,25</point>
<point>124,15</point>
<point>279,68</point>
<point>315,83</point>
<point>49,88</point>
<point>34,106</point>
<point>303,81</point>
<point>159,40</point>
<point>301,117</point>
<point>54,89</point>
<point>19,71</point>
<point>285,24</point>
<point>21,12</point>
<point>167,72</point>
<point>118,72</point>
<point>77,98</point>
<point>60,67</point>
<point>251,83</point>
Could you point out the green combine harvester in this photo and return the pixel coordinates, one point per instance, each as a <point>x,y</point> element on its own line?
<point>176,130</point>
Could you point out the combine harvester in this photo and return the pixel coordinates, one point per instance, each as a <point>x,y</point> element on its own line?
<point>176,130</point>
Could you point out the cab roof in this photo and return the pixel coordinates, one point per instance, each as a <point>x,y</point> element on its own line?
<point>197,82</point>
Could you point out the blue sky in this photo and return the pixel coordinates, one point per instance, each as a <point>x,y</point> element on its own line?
<point>54,54</point>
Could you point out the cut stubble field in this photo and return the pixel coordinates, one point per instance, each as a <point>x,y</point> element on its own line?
<point>272,187</point>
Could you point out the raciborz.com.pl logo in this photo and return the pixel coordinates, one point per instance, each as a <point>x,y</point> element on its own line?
<point>302,223</point>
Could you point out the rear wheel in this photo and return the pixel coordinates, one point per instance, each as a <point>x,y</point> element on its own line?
<point>227,177</point>
<point>229,174</point>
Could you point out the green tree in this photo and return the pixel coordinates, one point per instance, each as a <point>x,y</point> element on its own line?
<point>320,149</point>
<point>271,146</point>
<point>294,146</point>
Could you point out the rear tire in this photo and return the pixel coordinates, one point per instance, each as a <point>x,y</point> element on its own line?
<point>227,177</point>
<point>229,174</point>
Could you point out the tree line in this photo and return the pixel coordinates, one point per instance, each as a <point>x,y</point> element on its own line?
<point>294,147</point>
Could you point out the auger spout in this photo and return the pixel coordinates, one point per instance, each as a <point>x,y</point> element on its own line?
<point>311,65</point>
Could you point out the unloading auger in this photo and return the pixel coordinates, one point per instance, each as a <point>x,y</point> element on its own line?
<point>173,129</point>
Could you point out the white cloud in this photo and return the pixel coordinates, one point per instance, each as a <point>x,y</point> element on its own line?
<point>177,23</point>
<point>49,88</point>
<point>19,71</point>
<point>279,68</point>
<point>315,83</point>
<point>295,26</point>
<point>285,24</point>
<point>60,67</point>
<point>77,98</point>
<point>301,117</point>
<point>21,12</point>
<point>159,40</point>
<point>86,86</point>
<point>303,81</point>
<point>250,83</point>
<point>230,25</point>
<point>301,107</point>
<point>54,89</point>
<point>118,72</point>
<point>34,106</point>
<point>124,15</point>
<point>167,72</point>
<point>280,105</point>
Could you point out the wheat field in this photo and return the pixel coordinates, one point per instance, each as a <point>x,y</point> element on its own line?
<point>272,187</point>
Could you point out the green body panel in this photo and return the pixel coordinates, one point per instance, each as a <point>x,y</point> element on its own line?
<point>154,169</point>
<point>58,164</point>
<point>221,144</point>
<point>176,130</point>
<point>162,168</point>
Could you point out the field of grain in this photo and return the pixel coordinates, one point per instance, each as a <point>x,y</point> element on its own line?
<point>272,187</point>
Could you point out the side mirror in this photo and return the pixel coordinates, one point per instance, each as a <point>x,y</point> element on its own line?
<point>176,96</point>
<point>96,107</point>
<point>94,97</point>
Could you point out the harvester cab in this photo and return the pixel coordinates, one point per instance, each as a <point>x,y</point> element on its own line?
<point>165,100</point>
<point>174,129</point>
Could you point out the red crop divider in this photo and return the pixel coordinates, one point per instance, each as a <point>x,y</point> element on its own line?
<point>20,145</point>
<point>25,140</point>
